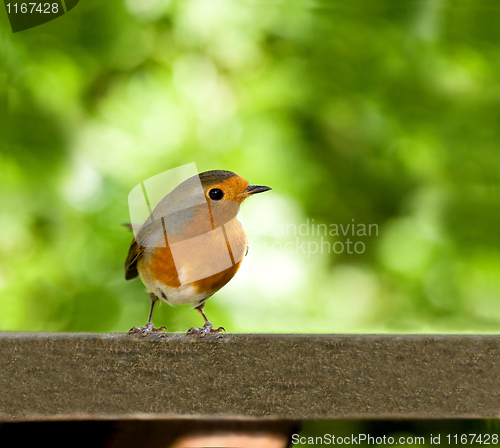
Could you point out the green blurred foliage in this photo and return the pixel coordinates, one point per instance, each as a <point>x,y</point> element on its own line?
<point>365,112</point>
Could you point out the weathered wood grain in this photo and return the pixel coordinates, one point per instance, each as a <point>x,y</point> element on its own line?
<point>45,376</point>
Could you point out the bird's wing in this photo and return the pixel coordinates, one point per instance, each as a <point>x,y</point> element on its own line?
<point>171,216</point>
<point>147,235</point>
<point>134,253</point>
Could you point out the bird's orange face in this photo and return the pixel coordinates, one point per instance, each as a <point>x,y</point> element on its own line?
<point>224,193</point>
<point>234,189</point>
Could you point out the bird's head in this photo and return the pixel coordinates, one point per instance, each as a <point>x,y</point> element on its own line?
<point>224,192</point>
<point>227,186</point>
<point>183,213</point>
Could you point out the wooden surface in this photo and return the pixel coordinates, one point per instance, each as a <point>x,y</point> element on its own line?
<point>46,376</point>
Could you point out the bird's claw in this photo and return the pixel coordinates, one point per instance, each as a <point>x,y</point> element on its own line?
<point>148,328</point>
<point>206,329</point>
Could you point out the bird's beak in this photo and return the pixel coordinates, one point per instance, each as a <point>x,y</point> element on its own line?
<point>254,189</point>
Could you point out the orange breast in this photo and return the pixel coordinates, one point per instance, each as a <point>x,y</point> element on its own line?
<point>207,261</point>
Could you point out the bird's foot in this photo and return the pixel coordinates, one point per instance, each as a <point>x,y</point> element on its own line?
<point>206,329</point>
<point>148,328</point>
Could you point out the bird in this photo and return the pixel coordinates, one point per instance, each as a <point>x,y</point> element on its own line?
<point>192,244</point>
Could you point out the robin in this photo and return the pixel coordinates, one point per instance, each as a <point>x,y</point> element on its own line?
<point>192,244</point>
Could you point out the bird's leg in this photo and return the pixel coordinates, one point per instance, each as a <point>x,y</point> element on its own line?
<point>148,328</point>
<point>207,328</point>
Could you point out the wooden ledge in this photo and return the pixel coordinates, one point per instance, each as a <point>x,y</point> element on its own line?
<point>47,376</point>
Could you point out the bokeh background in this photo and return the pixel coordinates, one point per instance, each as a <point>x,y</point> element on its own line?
<point>384,113</point>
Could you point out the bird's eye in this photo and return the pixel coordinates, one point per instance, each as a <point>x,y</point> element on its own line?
<point>216,194</point>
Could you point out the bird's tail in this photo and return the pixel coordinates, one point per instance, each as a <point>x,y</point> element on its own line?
<point>128,226</point>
